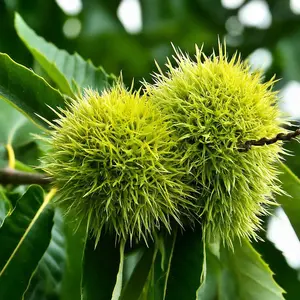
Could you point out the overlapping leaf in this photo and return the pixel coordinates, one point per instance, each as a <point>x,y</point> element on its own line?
<point>5,206</point>
<point>15,128</point>
<point>75,243</point>
<point>286,276</point>
<point>24,238</point>
<point>28,92</point>
<point>161,267</point>
<point>100,268</point>
<point>248,275</point>
<point>137,284</point>
<point>186,267</point>
<point>47,280</point>
<point>171,269</point>
<point>238,274</point>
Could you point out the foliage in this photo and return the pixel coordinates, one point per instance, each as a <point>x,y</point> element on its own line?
<point>69,72</point>
<point>28,227</point>
<point>40,256</point>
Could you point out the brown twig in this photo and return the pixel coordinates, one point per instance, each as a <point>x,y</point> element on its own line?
<point>11,176</point>
<point>265,141</point>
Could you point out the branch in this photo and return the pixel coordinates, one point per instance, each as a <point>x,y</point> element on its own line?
<point>264,141</point>
<point>11,176</point>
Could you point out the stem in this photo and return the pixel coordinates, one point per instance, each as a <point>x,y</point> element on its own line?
<point>11,156</point>
<point>265,141</point>
<point>11,176</point>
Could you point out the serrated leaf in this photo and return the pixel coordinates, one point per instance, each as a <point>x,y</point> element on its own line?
<point>290,204</point>
<point>100,268</point>
<point>249,276</point>
<point>27,91</point>
<point>238,275</point>
<point>46,282</point>
<point>186,268</point>
<point>64,69</point>
<point>286,276</point>
<point>24,238</point>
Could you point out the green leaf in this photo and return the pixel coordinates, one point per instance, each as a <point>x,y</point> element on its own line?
<point>28,92</point>
<point>46,282</point>
<point>237,275</point>
<point>291,205</point>
<point>67,71</point>
<point>285,276</point>
<point>131,260</point>
<point>138,280</point>
<point>5,206</point>
<point>118,287</point>
<point>250,275</point>
<point>210,289</point>
<point>100,268</point>
<point>14,195</point>
<point>186,266</point>
<point>17,131</point>
<point>15,128</point>
<point>161,267</point>
<point>3,156</point>
<point>293,148</point>
<point>75,242</point>
<point>24,238</point>
<point>28,156</point>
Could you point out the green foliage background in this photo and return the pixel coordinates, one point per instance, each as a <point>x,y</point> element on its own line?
<point>185,23</point>
<point>55,269</point>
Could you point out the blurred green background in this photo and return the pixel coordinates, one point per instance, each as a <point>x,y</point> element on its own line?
<point>127,36</point>
<point>95,29</point>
